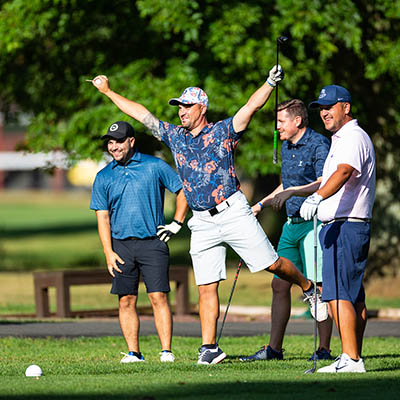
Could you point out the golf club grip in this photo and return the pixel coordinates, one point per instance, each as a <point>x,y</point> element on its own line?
<point>275,152</point>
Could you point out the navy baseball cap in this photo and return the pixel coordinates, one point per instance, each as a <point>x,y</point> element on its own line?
<point>119,130</point>
<point>330,95</point>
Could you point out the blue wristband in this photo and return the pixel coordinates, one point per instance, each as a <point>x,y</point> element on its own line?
<point>260,204</point>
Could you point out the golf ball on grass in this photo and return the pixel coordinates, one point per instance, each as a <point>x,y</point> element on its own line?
<point>34,371</point>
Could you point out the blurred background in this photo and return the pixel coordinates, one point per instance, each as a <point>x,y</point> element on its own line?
<point>51,119</point>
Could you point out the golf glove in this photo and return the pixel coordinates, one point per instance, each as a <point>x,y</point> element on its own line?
<point>164,232</point>
<point>275,75</point>
<point>310,205</point>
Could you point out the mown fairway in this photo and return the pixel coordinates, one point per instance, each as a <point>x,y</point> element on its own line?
<point>89,368</point>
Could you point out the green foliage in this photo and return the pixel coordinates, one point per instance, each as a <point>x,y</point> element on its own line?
<point>152,49</point>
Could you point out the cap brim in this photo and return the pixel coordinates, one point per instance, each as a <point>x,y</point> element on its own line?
<point>108,136</point>
<point>317,103</point>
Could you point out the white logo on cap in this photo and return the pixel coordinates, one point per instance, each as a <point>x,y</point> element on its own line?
<point>113,127</point>
<point>322,94</point>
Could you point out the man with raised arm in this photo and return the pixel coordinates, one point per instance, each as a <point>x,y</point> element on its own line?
<point>203,154</point>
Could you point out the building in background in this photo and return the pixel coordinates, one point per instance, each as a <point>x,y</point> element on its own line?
<point>50,171</point>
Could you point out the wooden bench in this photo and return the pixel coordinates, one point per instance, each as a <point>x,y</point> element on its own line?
<point>62,280</point>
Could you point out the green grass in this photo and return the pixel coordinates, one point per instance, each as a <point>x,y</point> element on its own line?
<point>89,368</point>
<point>48,231</point>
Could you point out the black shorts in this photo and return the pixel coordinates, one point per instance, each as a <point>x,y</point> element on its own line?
<point>146,257</point>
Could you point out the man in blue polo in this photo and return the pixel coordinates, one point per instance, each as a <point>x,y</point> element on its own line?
<point>128,197</point>
<point>204,158</point>
<point>303,155</point>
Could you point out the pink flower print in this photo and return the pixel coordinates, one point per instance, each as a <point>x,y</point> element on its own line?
<point>210,167</point>
<point>194,164</point>
<point>218,194</point>
<point>207,139</point>
<point>187,186</point>
<point>181,159</point>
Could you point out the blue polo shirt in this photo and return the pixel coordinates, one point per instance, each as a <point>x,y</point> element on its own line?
<point>302,163</point>
<point>134,194</point>
<point>205,163</point>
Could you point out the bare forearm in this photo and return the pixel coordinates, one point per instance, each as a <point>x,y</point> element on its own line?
<point>267,200</point>
<point>182,207</point>
<point>135,110</point>
<point>336,181</point>
<point>256,101</point>
<point>104,230</point>
<point>305,190</point>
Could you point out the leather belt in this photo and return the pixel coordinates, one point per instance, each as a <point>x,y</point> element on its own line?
<point>348,219</point>
<point>296,220</point>
<point>218,208</point>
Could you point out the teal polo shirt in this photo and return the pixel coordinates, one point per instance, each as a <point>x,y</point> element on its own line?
<point>133,194</point>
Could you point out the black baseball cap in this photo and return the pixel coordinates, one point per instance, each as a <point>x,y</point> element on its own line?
<point>119,130</point>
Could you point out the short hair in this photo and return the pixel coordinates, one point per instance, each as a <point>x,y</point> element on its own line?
<point>294,108</point>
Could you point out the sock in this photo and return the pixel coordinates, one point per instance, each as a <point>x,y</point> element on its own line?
<point>309,291</point>
<point>134,353</point>
<point>209,346</point>
<point>166,351</point>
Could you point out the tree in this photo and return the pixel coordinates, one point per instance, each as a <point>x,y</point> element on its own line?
<point>152,49</point>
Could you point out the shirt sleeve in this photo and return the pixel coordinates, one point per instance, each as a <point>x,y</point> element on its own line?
<point>166,131</point>
<point>352,152</point>
<point>98,199</point>
<point>169,178</point>
<point>321,152</point>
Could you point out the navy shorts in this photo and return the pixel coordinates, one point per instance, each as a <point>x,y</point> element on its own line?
<point>345,248</point>
<point>148,258</point>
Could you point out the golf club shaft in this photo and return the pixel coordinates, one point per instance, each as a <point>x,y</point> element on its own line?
<point>275,151</point>
<point>230,298</point>
<point>315,289</point>
<point>313,369</point>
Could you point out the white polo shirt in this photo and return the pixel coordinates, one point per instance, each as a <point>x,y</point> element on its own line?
<point>350,145</point>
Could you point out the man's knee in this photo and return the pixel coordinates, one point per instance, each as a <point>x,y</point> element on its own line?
<point>127,301</point>
<point>210,289</point>
<point>280,286</point>
<point>276,266</point>
<point>158,299</point>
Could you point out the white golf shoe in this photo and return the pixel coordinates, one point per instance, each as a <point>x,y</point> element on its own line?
<point>167,356</point>
<point>131,358</point>
<point>344,364</point>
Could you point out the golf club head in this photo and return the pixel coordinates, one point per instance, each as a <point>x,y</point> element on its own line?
<point>282,39</point>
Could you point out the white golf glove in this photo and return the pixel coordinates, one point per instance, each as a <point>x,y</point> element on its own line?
<point>164,232</point>
<point>310,205</point>
<point>275,75</point>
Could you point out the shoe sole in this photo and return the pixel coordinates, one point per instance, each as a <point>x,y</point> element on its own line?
<point>216,360</point>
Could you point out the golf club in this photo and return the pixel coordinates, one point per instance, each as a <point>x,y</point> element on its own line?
<point>280,40</point>
<point>312,370</point>
<point>230,298</point>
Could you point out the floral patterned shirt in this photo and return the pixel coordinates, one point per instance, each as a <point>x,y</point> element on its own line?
<point>205,163</point>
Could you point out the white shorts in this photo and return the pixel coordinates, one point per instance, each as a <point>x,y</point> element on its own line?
<point>234,225</point>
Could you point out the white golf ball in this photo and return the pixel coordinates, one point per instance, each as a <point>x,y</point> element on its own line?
<point>97,81</point>
<point>34,371</point>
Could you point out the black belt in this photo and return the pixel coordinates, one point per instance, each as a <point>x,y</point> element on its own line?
<point>296,220</point>
<point>217,209</point>
<point>137,238</point>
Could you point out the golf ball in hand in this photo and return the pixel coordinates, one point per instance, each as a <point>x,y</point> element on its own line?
<point>97,81</point>
<point>34,371</point>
